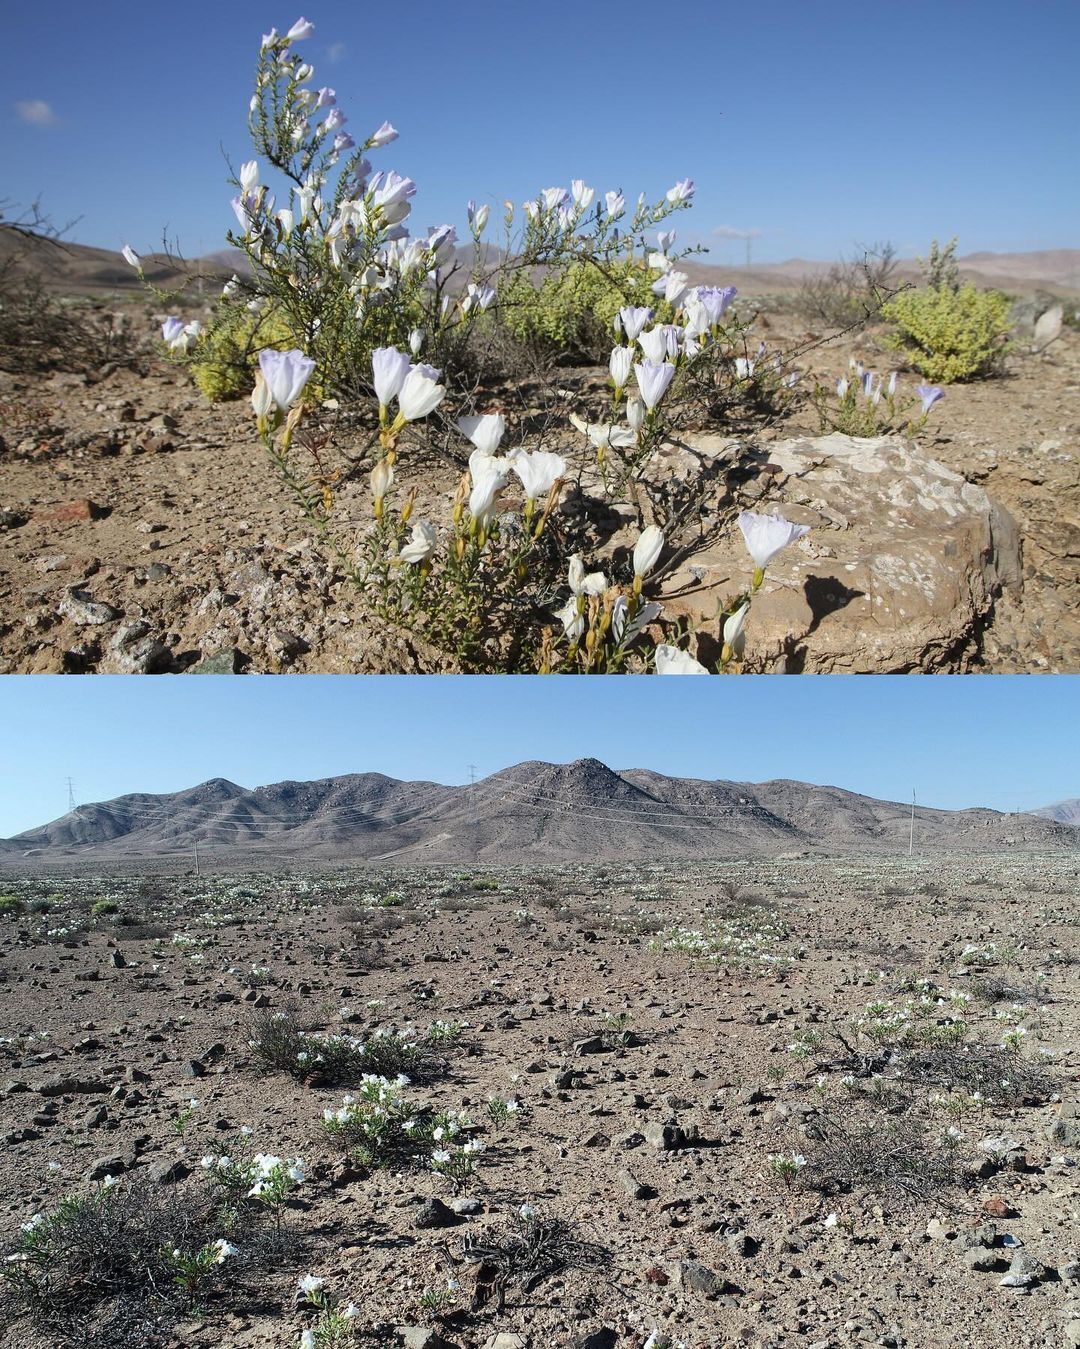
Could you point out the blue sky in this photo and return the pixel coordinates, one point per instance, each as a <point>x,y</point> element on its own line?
<point>1006,742</point>
<point>819,124</point>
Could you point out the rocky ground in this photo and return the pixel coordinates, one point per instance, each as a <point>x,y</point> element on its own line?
<point>141,531</point>
<point>667,1034</point>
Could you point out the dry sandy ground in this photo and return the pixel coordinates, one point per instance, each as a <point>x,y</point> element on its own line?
<point>657,1151</point>
<point>198,554</point>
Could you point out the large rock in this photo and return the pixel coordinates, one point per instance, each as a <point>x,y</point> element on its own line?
<point>899,572</point>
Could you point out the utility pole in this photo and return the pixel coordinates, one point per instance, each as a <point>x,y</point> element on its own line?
<point>911,832</point>
<point>472,812</point>
<point>71,794</point>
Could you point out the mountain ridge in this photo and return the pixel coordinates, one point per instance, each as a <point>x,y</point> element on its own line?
<point>531,811</point>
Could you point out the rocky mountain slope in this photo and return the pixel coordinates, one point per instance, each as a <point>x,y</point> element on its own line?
<point>530,812</point>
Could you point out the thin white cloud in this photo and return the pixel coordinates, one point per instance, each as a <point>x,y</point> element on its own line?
<point>36,112</point>
<point>336,52</point>
<point>730,232</point>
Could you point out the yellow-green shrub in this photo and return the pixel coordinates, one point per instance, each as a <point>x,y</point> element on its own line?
<point>573,309</point>
<point>223,363</point>
<point>950,335</point>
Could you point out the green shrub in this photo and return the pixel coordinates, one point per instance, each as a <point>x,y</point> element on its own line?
<point>950,335</point>
<point>224,361</point>
<point>101,907</point>
<point>10,906</point>
<point>573,309</point>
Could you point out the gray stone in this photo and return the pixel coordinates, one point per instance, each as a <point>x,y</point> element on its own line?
<point>1066,1128</point>
<point>221,662</point>
<point>73,1086</point>
<point>168,1172</point>
<point>700,1279</point>
<point>665,1137</point>
<point>633,1187</point>
<point>434,1213</point>
<point>981,1258</point>
<point>84,611</point>
<point>899,572</point>
<point>135,650</point>
<point>1024,1270</point>
<point>1047,328</point>
<point>112,1164</point>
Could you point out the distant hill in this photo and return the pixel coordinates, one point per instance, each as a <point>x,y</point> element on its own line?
<point>1064,812</point>
<point>532,811</point>
<point>80,269</point>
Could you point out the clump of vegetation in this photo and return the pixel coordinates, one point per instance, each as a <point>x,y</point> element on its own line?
<point>851,293</point>
<point>40,330</point>
<point>11,906</point>
<point>532,1248</point>
<point>572,311</point>
<point>226,356</point>
<point>880,1152</point>
<point>282,1041</point>
<point>100,1269</point>
<point>947,331</point>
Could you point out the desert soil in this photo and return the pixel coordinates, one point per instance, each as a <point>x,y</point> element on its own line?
<point>141,529</point>
<point>656,1150</point>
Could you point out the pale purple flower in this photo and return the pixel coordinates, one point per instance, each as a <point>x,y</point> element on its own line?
<point>422,544</point>
<point>614,204</point>
<point>249,177</point>
<point>389,368</point>
<point>172,330</point>
<point>538,471</point>
<point>585,583</point>
<point>647,550</point>
<point>682,191</point>
<point>335,120</point>
<point>660,343</point>
<point>326,98</point>
<point>715,300</point>
<point>664,240</point>
<point>421,393</point>
<point>131,257</point>
<point>392,193</point>
<point>489,476</point>
<point>929,395</point>
<point>633,319</point>
<point>620,364</point>
<point>581,195</point>
<point>653,380</point>
<point>286,373</point>
<point>485,432</point>
<point>343,141</point>
<point>842,387</point>
<point>269,39</point>
<point>767,535</point>
<point>891,389</point>
<point>478,216</point>
<point>483,297</point>
<point>241,213</point>
<point>554,197</point>
<point>383,136</point>
<point>300,30</point>
<point>671,661</point>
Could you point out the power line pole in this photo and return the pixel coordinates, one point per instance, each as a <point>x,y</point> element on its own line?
<point>911,832</point>
<point>472,812</point>
<point>71,794</point>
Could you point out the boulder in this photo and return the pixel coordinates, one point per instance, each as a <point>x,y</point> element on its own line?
<point>899,572</point>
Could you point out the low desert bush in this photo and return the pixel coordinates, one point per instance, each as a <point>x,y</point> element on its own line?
<point>102,1269</point>
<point>851,293</point>
<point>879,1152</point>
<point>282,1041</point>
<point>950,335</point>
